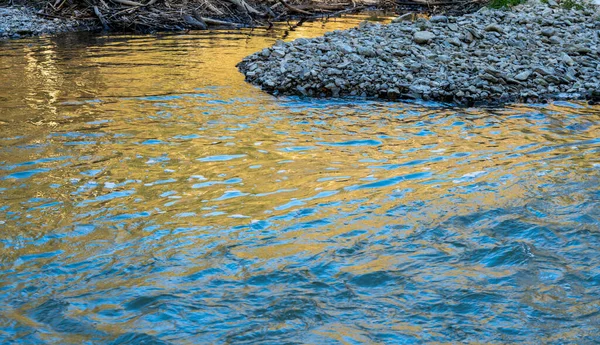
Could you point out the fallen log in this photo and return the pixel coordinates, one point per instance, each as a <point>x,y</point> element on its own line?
<point>101,18</point>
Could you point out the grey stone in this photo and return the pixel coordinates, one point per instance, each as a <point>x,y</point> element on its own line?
<point>423,37</point>
<point>366,51</point>
<point>345,48</point>
<point>567,59</point>
<point>555,40</point>
<point>438,19</point>
<point>523,75</point>
<point>454,41</point>
<point>548,32</point>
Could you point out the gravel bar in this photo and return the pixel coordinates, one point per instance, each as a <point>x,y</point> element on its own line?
<point>531,53</point>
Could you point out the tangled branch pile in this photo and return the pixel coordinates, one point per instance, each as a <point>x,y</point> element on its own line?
<point>151,15</point>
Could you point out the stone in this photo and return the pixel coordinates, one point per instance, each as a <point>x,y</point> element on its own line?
<point>366,51</point>
<point>523,75</point>
<point>468,37</point>
<point>454,41</point>
<point>438,19</point>
<point>345,48</point>
<point>423,37</point>
<point>548,32</point>
<point>555,40</point>
<point>494,28</point>
<point>567,59</point>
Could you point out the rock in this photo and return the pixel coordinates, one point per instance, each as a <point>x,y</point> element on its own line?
<point>345,48</point>
<point>548,32</point>
<point>366,51</point>
<point>489,77</point>
<point>494,28</point>
<point>468,37</point>
<point>265,52</point>
<point>405,17</point>
<point>523,75</point>
<point>323,47</point>
<point>567,59</point>
<point>582,49</point>
<point>543,71</point>
<point>454,41</point>
<point>279,52</point>
<point>423,37</point>
<point>555,40</point>
<point>438,19</point>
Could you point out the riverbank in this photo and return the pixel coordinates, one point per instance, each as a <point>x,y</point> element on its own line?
<point>38,16</point>
<point>535,52</point>
<point>177,15</point>
<point>17,22</point>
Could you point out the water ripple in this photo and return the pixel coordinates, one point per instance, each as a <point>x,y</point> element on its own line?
<point>149,196</point>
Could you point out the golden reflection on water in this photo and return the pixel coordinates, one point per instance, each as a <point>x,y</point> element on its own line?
<point>136,134</point>
<point>116,77</point>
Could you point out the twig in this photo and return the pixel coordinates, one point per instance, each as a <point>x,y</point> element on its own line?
<point>102,20</point>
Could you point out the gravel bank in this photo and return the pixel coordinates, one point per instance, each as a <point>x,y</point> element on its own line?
<point>18,22</point>
<point>534,52</point>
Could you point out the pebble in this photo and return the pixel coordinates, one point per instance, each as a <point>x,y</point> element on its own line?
<point>494,28</point>
<point>523,75</point>
<point>529,54</point>
<point>423,37</point>
<point>438,19</point>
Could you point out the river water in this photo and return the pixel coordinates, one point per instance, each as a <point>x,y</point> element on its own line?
<point>149,196</point>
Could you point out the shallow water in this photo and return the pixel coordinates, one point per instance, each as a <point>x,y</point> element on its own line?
<point>149,196</point>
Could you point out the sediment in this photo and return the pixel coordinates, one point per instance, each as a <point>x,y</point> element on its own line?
<point>534,52</point>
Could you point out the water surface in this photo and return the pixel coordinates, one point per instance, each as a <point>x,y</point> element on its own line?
<point>149,196</point>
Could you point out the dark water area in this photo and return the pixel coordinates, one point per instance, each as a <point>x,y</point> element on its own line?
<point>149,196</point>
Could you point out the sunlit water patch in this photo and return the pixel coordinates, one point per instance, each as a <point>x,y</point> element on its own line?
<point>150,196</point>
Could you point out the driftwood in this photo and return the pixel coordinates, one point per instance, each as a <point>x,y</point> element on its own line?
<point>151,15</point>
<point>294,9</point>
<point>242,5</point>
<point>198,24</point>
<point>101,18</point>
<point>220,22</point>
<point>128,3</point>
